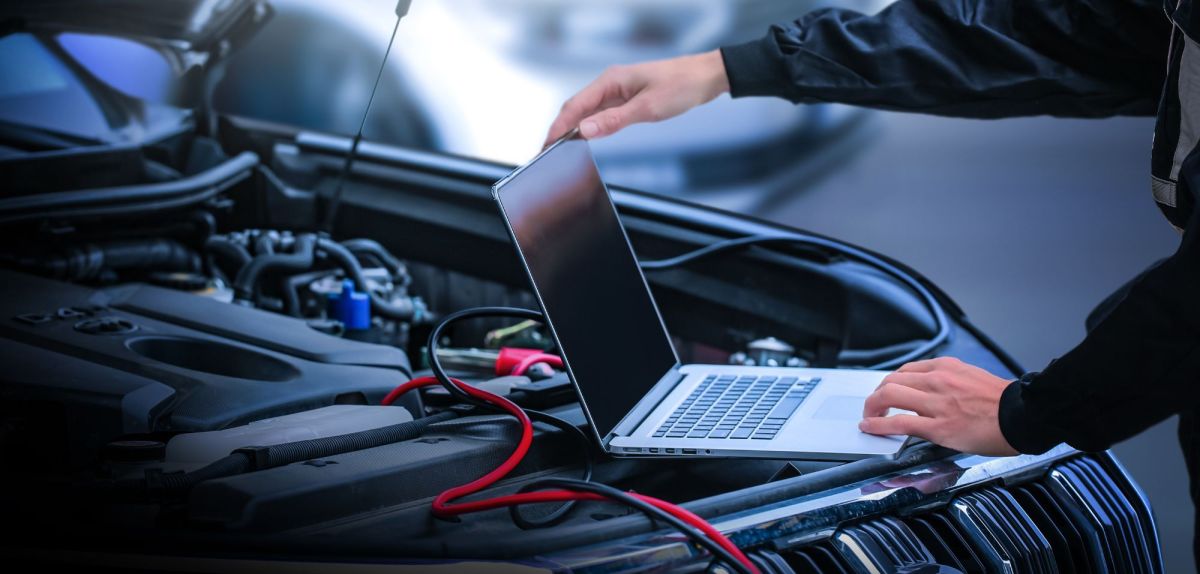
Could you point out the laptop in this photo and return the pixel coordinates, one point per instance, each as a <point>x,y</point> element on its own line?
<point>637,397</point>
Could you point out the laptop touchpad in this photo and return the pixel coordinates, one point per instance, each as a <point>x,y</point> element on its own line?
<point>840,407</point>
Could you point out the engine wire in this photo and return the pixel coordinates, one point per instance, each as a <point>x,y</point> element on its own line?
<point>935,308</point>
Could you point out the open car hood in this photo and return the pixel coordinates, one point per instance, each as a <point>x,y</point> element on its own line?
<point>199,28</point>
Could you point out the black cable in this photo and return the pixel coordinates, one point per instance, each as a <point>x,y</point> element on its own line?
<point>435,364</point>
<point>650,510</point>
<point>561,512</point>
<point>939,314</point>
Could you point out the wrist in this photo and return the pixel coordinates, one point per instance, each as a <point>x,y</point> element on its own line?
<point>716,79</point>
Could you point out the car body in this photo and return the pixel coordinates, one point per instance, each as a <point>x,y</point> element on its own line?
<point>167,300</point>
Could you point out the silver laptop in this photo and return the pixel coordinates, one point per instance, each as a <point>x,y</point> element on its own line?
<point>638,398</point>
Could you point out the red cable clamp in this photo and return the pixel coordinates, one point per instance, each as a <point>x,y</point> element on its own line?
<point>517,360</point>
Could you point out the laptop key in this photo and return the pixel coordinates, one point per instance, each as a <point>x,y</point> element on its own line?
<point>742,432</point>
<point>697,434</point>
<point>719,433</point>
<point>786,407</point>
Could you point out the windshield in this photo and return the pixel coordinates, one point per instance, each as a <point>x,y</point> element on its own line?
<point>484,78</point>
<point>37,90</point>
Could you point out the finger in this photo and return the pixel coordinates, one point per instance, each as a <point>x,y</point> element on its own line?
<point>922,427</point>
<point>602,93</point>
<point>613,120</point>
<point>927,382</point>
<point>895,396</point>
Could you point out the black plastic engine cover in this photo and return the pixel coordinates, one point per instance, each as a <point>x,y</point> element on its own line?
<point>85,366</point>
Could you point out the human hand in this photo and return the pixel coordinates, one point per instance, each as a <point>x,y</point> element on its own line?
<point>957,406</point>
<point>649,92</point>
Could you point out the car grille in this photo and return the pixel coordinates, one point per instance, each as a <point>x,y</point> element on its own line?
<point>1079,517</point>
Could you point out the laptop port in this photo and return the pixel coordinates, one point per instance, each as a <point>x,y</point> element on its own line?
<point>689,451</point>
<point>670,451</point>
<point>633,449</point>
<point>654,450</point>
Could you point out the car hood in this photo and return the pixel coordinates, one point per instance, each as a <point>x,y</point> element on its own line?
<point>198,29</point>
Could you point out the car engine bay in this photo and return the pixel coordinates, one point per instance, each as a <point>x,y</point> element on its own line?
<point>198,367</point>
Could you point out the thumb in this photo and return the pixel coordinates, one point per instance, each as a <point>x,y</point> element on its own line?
<point>610,121</point>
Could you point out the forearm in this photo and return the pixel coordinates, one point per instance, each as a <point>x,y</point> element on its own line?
<point>991,58</point>
<point>1138,366</point>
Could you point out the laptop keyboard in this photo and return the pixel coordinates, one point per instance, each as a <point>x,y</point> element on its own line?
<point>733,407</point>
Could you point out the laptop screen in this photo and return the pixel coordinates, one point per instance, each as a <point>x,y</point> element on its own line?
<point>588,280</point>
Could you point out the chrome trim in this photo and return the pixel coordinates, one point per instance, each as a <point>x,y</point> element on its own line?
<point>1145,500</point>
<point>812,518</point>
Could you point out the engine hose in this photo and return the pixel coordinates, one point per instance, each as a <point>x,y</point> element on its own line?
<point>88,261</point>
<point>206,224</point>
<point>403,310</point>
<point>264,244</point>
<point>300,259</point>
<point>228,251</point>
<point>374,249</point>
<point>256,458</point>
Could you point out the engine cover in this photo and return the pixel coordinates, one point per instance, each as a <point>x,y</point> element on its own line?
<point>85,366</point>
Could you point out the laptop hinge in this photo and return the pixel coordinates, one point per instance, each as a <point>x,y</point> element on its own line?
<point>634,418</point>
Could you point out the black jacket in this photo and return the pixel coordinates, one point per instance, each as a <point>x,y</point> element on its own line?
<point>1002,58</point>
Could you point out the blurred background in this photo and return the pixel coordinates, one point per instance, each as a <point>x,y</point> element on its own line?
<point>1027,223</point>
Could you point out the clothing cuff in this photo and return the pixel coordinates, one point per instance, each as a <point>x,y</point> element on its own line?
<point>755,68</point>
<point>1024,431</point>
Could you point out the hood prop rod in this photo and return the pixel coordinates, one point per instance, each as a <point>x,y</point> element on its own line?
<point>336,198</point>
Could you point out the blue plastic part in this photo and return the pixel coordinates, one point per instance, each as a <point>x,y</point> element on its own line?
<point>350,307</point>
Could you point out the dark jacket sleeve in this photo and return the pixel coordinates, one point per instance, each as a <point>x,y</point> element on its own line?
<point>1136,367</point>
<point>969,58</point>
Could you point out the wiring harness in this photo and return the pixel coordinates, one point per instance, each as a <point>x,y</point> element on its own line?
<point>447,505</point>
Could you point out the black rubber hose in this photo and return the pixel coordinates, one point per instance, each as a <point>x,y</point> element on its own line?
<point>90,260</point>
<point>300,259</point>
<point>374,249</point>
<point>127,200</point>
<point>206,224</point>
<point>264,244</point>
<point>229,252</point>
<point>345,259</point>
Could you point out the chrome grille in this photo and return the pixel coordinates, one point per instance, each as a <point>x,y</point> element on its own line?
<point>1082,516</point>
